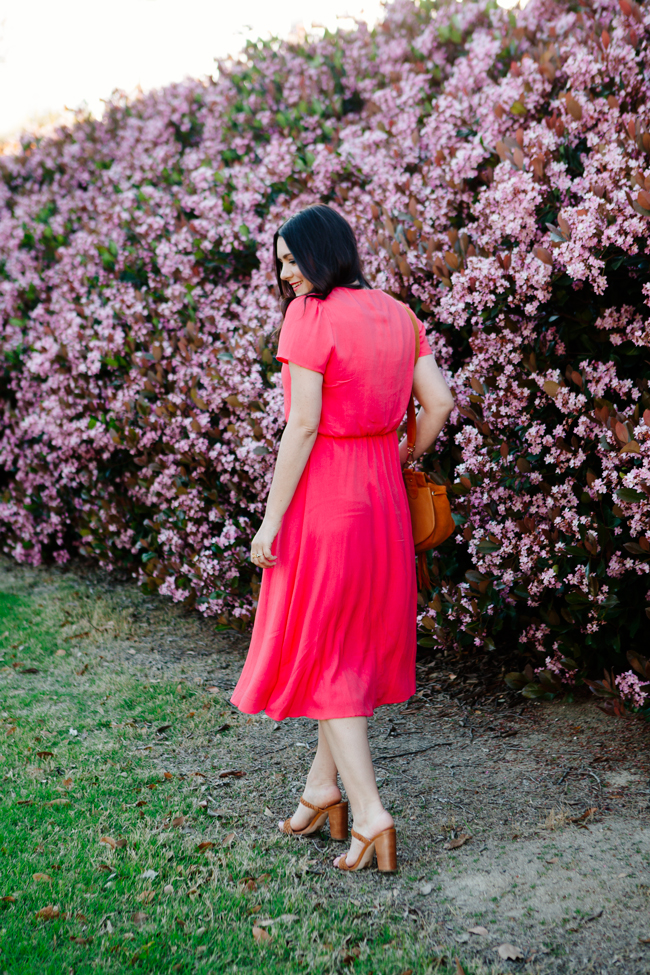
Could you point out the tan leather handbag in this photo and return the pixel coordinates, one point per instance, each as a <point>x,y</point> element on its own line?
<point>431,518</point>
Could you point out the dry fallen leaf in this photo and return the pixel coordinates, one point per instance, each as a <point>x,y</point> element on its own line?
<point>121,843</point>
<point>45,754</point>
<point>478,930</point>
<point>282,919</point>
<point>458,842</point>
<point>229,839</point>
<point>212,690</point>
<point>644,941</point>
<point>178,821</point>
<point>163,728</point>
<point>552,860</point>
<point>587,814</point>
<point>206,845</point>
<point>81,941</point>
<point>509,952</point>
<point>42,876</point>
<point>109,841</point>
<point>57,802</point>
<point>459,968</point>
<point>146,896</point>
<point>8,899</point>
<point>168,775</point>
<point>168,889</point>
<point>67,783</point>
<point>139,918</point>
<point>49,912</point>
<point>141,802</point>
<point>260,935</point>
<point>236,773</point>
<point>105,867</point>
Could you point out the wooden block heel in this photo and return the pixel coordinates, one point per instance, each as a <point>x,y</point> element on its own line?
<point>338,816</point>
<point>384,845</point>
<point>386,850</point>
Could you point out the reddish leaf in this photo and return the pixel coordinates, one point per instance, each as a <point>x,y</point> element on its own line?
<point>49,913</point>
<point>543,255</point>
<point>458,842</point>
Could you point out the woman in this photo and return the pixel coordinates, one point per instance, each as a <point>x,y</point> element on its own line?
<point>335,633</point>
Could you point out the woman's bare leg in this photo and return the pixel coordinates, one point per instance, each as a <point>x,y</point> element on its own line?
<point>321,788</point>
<point>348,745</point>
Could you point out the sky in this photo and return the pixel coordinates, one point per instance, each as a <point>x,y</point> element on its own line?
<point>58,54</point>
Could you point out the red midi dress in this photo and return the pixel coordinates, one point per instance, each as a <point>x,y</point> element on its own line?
<point>335,628</point>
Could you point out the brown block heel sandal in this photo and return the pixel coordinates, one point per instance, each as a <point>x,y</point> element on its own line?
<point>338,817</point>
<point>384,845</point>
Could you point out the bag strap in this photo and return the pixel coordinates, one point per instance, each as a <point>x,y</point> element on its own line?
<point>411,423</point>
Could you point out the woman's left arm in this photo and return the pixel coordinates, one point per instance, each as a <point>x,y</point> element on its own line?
<point>295,447</point>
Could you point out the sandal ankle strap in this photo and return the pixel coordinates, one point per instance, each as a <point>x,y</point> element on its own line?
<point>303,802</point>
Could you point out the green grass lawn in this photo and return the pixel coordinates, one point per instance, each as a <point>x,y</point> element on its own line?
<point>108,861</point>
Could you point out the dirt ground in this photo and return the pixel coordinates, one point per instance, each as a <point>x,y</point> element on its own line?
<point>554,800</point>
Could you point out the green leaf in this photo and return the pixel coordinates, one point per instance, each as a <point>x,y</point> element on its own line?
<point>629,494</point>
<point>535,693</point>
<point>485,546</point>
<point>577,599</point>
<point>516,681</point>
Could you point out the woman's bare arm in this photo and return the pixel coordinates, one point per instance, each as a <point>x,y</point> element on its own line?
<point>295,447</point>
<point>434,396</point>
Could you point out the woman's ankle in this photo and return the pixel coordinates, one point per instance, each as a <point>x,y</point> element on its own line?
<point>320,788</point>
<point>373,818</point>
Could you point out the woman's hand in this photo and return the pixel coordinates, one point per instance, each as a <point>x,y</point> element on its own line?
<point>261,545</point>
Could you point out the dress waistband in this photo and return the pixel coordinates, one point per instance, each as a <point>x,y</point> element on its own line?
<point>359,436</point>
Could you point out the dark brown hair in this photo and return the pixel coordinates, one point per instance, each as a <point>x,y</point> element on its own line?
<point>324,247</point>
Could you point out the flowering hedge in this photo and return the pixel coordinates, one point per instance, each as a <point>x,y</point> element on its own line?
<point>497,171</point>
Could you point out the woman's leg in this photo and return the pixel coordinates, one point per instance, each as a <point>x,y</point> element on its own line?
<point>348,745</point>
<point>321,788</point>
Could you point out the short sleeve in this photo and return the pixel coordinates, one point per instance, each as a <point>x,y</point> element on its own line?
<point>425,348</point>
<point>306,335</point>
